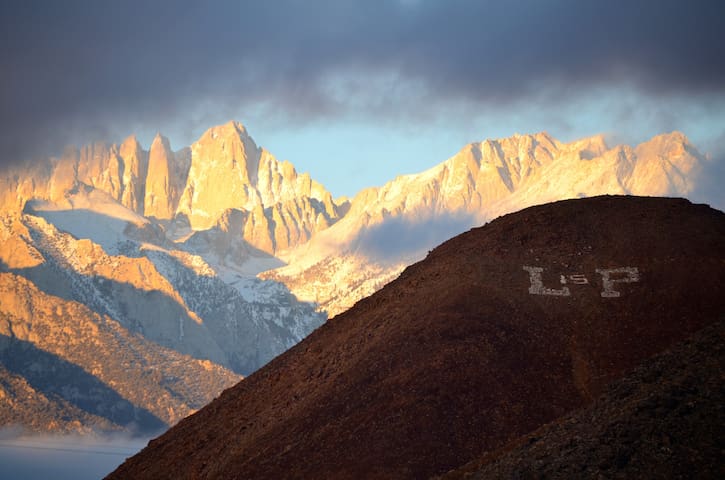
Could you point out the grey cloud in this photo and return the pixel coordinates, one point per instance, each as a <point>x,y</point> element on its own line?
<point>78,68</point>
<point>408,238</point>
<point>709,187</point>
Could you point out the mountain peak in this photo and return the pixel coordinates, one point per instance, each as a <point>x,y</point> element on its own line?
<point>236,125</point>
<point>160,140</point>
<point>228,170</point>
<point>162,192</point>
<point>130,140</point>
<point>232,128</point>
<point>669,139</point>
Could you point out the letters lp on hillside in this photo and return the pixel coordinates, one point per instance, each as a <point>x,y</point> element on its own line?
<point>610,278</point>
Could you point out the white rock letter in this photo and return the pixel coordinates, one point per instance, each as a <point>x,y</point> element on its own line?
<point>537,285</point>
<point>608,283</point>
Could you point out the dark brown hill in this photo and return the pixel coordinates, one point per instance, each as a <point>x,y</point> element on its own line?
<point>467,350</point>
<point>664,420</point>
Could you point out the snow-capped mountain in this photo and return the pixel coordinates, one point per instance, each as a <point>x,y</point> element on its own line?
<point>101,228</point>
<point>224,170</point>
<point>220,253</point>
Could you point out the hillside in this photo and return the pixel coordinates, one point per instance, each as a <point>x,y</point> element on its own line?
<point>664,420</point>
<point>497,332</point>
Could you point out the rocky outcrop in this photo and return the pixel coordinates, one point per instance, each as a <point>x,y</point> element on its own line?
<point>223,171</point>
<point>164,181</point>
<point>135,161</point>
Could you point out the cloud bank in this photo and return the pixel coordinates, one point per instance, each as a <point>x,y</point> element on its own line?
<point>79,69</point>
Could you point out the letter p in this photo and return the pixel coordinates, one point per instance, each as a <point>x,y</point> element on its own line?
<point>608,291</point>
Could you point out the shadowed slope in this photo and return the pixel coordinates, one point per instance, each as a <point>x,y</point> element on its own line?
<point>467,350</point>
<point>72,355</point>
<point>67,383</point>
<point>664,420</point>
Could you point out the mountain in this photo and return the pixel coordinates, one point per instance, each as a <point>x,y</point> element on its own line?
<point>101,229</point>
<point>220,252</point>
<point>178,330</point>
<point>664,420</point>
<point>67,368</point>
<point>170,296</point>
<point>497,332</point>
<point>224,170</point>
<point>335,254</point>
<point>390,227</point>
<point>228,171</point>
<point>189,249</point>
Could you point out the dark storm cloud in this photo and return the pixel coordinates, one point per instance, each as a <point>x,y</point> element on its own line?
<point>97,67</point>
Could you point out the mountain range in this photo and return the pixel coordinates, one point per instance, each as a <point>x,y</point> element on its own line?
<point>392,226</point>
<point>221,254</point>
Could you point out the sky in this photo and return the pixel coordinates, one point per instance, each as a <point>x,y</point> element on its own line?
<point>357,92</point>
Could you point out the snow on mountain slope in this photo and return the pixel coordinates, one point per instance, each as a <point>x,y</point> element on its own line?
<point>86,212</point>
<point>170,296</point>
<point>394,225</point>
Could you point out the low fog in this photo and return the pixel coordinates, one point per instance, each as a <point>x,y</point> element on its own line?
<point>64,457</point>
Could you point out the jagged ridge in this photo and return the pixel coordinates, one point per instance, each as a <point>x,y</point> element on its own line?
<point>392,226</point>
